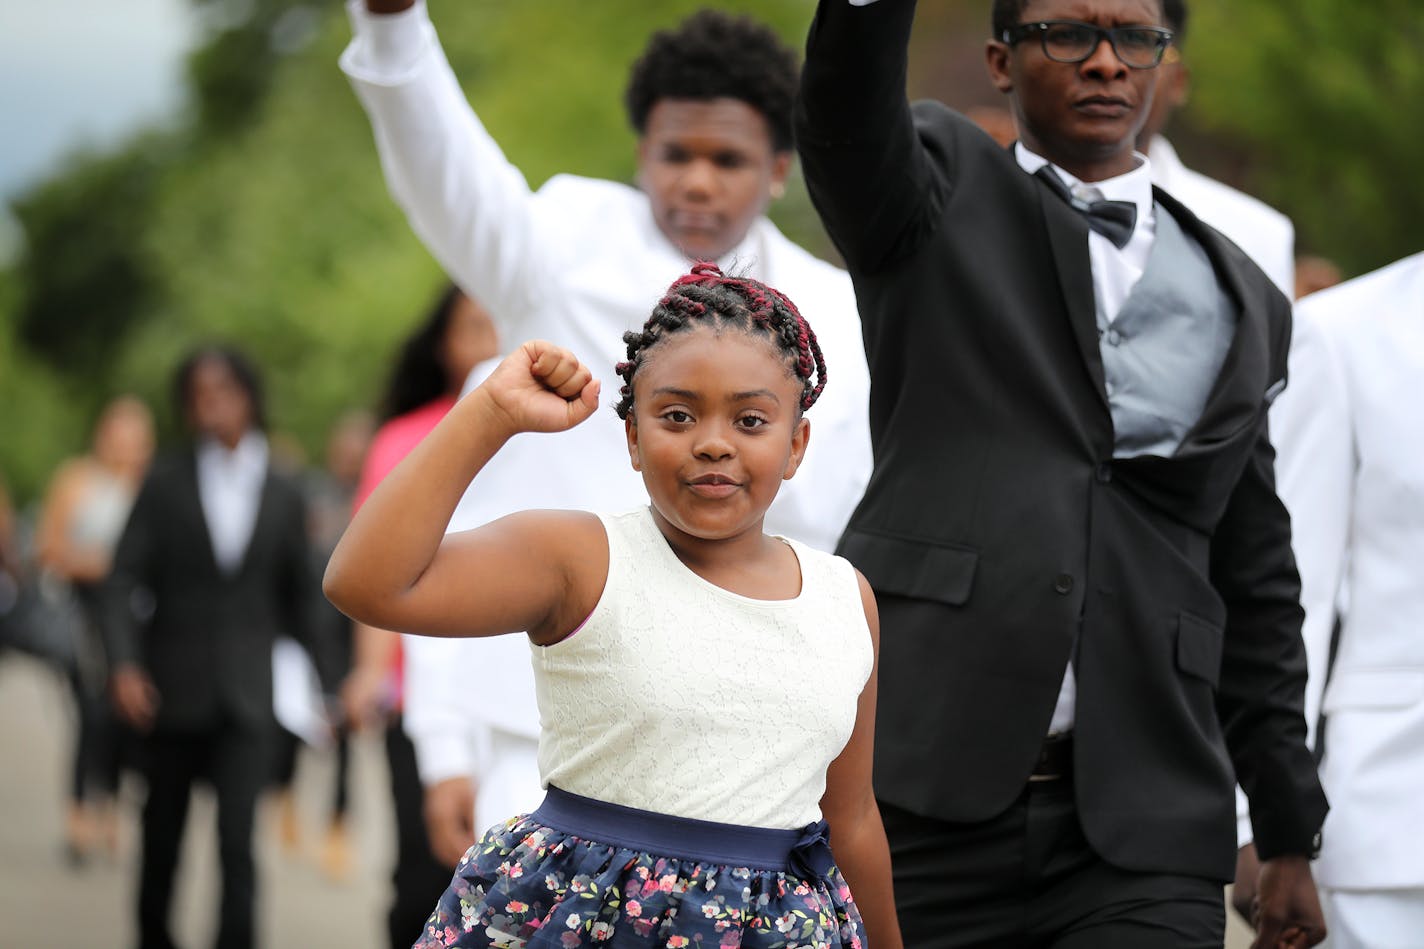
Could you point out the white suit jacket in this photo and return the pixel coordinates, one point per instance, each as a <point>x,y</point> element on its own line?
<point>578,262</point>
<point>1265,234</point>
<point>1349,432</point>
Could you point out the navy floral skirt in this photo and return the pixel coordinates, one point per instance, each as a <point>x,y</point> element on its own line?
<point>580,872</point>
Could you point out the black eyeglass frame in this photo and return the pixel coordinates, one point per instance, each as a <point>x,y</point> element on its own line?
<point>1023,31</point>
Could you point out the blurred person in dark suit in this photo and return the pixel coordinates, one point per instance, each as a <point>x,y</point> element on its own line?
<point>212,566</point>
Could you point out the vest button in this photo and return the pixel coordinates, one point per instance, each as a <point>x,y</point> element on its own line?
<point>1104,473</point>
<point>1063,584</point>
<point>1114,337</point>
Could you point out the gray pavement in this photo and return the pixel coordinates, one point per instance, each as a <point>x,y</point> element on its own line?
<point>47,904</point>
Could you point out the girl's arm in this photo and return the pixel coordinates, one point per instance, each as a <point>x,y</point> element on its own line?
<point>857,835</point>
<point>395,568</point>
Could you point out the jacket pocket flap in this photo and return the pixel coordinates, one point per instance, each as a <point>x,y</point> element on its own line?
<point>1199,647</point>
<point>1373,688</point>
<point>905,566</point>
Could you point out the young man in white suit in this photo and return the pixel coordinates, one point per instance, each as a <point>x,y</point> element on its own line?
<point>581,261</point>
<point>1350,468</point>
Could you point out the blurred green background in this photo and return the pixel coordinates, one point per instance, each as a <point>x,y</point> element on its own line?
<point>260,218</point>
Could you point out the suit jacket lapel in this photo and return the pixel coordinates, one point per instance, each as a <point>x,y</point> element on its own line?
<point>1068,237</point>
<point>204,534</point>
<point>1240,385</point>
<point>264,521</point>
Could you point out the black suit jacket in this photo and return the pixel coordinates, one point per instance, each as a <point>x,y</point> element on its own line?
<point>205,636</point>
<point>997,529</point>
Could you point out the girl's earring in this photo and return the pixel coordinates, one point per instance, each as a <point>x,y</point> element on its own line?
<point>778,191</point>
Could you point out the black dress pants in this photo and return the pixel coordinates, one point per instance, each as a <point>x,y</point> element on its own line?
<point>419,879</point>
<point>234,758</point>
<point>1027,879</point>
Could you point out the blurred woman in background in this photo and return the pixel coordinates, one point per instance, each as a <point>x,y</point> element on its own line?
<point>85,507</point>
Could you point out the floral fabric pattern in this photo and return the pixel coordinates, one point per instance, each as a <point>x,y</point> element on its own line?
<point>529,885</point>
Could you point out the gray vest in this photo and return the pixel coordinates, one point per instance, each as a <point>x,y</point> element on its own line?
<point>1162,353</point>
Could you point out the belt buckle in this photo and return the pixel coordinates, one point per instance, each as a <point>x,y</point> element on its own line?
<point>1048,766</point>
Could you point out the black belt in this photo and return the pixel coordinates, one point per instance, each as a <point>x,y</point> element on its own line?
<point>1055,758</point>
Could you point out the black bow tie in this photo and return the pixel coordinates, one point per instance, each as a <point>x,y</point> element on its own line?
<point>1114,220</point>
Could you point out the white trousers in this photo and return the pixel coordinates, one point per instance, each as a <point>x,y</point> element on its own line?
<point>509,779</point>
<point>1373,919</point>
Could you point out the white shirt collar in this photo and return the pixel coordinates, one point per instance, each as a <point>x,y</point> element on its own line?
<point>1134,186</point>
<point>249,456</point>
<point>230,491</point>
<point>748,258</point>
<point>1166,166</point>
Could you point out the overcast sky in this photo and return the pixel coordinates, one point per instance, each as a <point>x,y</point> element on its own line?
<point>76,73</point>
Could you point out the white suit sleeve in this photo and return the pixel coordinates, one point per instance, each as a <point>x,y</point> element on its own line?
<point>470,206</point>
<point>1315,475</point>
<point>1279,265</point>
<point>449,741</point>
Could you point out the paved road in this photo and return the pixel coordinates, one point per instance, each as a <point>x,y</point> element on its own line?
<point>46,904</point>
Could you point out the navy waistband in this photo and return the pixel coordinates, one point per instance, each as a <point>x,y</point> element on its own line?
<point>805,852</point>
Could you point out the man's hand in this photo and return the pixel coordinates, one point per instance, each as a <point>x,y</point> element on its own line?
<point>1288,914</point>
<point>1248,880</point>
<point>363,697</point>
<point>134,695</point>
<point>450,818</point>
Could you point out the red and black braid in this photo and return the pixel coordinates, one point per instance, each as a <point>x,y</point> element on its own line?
<point>706,296</point>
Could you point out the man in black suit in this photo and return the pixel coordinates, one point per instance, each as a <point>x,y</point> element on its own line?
<point>212,566</point>
<point>1089,603</point>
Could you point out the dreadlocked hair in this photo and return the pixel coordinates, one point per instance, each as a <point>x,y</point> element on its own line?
<point>708,297</point>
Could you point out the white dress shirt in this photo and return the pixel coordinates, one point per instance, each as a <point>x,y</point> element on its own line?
<point>578,262</point>
<point>230,489</point>
<point>1115,272</point>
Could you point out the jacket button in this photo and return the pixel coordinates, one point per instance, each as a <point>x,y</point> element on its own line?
<point>1063,584</point>
<point>1104,473</point>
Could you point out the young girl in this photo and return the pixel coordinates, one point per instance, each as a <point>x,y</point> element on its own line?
<point>706,691</point>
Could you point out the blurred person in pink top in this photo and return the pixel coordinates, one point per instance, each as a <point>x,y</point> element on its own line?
<point>431,367</point>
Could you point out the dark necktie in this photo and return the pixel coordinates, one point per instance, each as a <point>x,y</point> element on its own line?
<point>1112,219</point>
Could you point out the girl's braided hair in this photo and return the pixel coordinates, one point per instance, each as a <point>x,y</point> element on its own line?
<point>706,296</point>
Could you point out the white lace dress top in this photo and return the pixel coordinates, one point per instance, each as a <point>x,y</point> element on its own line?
<point>683,698</point>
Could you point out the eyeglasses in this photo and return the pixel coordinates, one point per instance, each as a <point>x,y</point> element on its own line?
<point>1069,41</point>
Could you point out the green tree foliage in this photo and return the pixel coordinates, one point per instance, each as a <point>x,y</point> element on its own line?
<point>264,220</point>
<point>1315,104</point>
<point>42,413</point>
<point>86,279</point>
<point>232,72</point>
